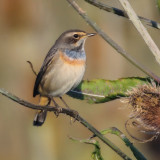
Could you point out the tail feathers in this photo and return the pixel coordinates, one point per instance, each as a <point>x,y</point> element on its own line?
<point>39,118</point>
<point>41,115</point>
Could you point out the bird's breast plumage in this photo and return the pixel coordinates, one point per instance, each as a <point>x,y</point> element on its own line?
<point>72,58</point>
<point>64,73</point>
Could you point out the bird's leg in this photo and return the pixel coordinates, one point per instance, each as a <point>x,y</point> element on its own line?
<point>75,112</point>
<point>49,101</point>
<point>59,109</point>
<point>56,105</point>
<point>64,102</point>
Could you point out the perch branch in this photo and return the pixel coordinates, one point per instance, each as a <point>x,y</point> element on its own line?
<point>121,13</point>
<point>71,113</point>
<point>111,42</point>
<point>141,29</point>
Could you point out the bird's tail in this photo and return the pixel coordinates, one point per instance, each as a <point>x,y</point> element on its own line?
<point>41,115</point>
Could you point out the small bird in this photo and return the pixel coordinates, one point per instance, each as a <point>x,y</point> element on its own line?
<point>62,70</point>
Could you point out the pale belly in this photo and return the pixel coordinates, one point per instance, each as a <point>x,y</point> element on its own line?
<point>61,78</point>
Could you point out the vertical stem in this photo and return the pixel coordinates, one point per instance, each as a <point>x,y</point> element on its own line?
<point>141,29</point>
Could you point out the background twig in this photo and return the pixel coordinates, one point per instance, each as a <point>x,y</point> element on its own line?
<point>96,154</point>
<point>121,13</point>
<point>141,29</point>
<point>31,65</point>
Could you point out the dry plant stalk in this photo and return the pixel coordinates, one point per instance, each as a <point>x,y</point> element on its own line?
<point>141,29</point>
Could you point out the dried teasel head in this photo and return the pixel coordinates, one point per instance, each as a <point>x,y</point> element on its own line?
<point>145,104</point>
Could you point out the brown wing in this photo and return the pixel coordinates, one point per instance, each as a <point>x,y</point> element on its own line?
<point>46,62</point>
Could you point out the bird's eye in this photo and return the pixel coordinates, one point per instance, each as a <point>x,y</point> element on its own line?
<point>76,36</point>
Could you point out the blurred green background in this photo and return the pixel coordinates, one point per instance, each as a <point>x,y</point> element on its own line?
<point>28,29</point>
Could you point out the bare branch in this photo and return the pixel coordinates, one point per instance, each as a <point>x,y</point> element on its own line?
<point>122,13</point>
<point>141,29</point>
<point>71,113</point>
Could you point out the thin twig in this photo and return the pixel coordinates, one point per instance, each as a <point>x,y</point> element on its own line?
<point>122,13</point>
<point>31,65</point>
<point>96,154</point>
<point>71,113</point>
<point>141,29</point>
<point>111,42</point>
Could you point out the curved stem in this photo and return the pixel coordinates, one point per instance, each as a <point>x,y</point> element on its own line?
<point>117,132</point>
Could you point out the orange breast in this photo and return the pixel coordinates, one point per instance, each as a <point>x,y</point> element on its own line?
<point>71,61</point>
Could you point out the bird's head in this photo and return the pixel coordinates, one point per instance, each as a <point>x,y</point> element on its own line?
<point>73,39</point>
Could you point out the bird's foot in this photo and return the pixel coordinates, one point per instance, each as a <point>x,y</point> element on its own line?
<point>58,110</point>
<point>74,117</point>
<point>57,107</point>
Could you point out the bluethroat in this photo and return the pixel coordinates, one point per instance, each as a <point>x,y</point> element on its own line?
<point>62,70</point>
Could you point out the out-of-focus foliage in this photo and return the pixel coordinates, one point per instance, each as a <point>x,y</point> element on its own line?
<point>100,90</point>
<point>158,4</point>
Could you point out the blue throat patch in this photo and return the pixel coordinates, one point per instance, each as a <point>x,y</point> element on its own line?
<point>75,54</point>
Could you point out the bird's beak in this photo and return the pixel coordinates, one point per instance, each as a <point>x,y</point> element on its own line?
<point>91,34</point>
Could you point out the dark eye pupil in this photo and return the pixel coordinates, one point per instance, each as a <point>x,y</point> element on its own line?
<point>75,35</point>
